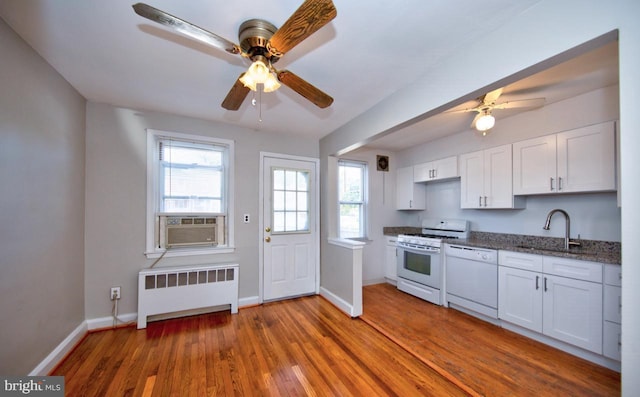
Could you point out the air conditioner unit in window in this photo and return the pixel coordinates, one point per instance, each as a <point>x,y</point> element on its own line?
<point>186,231</point>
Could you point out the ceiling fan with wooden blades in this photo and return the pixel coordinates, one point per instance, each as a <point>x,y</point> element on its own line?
<point>261,43</point>
<point>484,120</point>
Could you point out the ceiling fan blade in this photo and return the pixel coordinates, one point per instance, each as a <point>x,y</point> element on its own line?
<point>526,103</point>
<point>465,110</point>
<point>492,97</point>
<point>305,89</point>
<point>307,19</point>
<point>184,27</point>
<point>236,95</point>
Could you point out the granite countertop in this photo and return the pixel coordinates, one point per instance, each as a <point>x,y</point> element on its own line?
<point>589,250</point>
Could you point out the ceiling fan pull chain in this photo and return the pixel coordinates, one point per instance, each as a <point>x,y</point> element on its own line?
<point>260,104</point>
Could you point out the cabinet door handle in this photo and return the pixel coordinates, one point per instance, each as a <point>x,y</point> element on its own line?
<point>545,284</point>
<point>485,201</point>
<point>410,203</point>
<point>551,184</point>
<point>435,173</point>
<point>537,283</point>
<point>430,174</point>
<point>479,201</point>
<point>559,183</point>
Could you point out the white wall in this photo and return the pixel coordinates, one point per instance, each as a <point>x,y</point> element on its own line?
<point>116,199</point>
<point>545,30</point>
<point>41,207</point>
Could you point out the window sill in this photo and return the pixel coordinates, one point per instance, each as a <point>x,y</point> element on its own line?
<point>346,243</point>
<point>365,240</point>
<point>189,252</point>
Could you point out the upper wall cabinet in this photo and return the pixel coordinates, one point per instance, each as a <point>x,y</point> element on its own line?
<point>485,179</point>
<point>436,170</point>
<point>580,160</point>
<point>409,196</point>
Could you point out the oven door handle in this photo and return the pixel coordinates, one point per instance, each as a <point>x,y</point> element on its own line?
<point>420,251</point>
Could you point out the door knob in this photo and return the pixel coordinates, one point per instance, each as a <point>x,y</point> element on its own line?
<point>268,229</point>
<point>267,239</point>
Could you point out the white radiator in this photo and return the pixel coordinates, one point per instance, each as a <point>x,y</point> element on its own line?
<point>174,289</point>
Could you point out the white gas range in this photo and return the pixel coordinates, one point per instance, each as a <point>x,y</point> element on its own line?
<point>420,267</point>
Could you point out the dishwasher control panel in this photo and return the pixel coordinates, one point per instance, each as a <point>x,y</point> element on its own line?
<point>471,253</point>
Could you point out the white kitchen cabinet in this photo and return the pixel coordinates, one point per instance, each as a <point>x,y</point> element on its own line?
<point>580,160</point>
<point>564,308</point>
<point>612,340</point>
<point>390,262</point>
<point>612,312</point>
<point>409,195</point>
<point>520,297</point>
<point>572,311</point>
<point>486,179</point>
<point>436,170</point>
<point>612,304</point>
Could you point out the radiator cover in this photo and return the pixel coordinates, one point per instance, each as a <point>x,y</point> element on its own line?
<point>174,289</point>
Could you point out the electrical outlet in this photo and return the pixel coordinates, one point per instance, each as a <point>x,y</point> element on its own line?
<point>115,293</point>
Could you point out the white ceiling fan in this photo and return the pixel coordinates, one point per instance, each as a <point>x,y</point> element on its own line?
<point>484,120</point>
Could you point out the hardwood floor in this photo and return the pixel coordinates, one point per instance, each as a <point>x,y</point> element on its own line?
<point>298,347</point>
<point>306,346</point>
<point>490,360</point>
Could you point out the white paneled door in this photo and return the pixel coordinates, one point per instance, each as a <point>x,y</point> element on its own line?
<point>289,227</point>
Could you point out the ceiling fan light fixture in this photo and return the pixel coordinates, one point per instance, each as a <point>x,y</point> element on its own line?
<point>485,123</point>
<point>271,83</point>
<point>259,73</point>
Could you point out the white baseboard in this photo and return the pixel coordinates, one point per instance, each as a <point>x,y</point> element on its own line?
<point>81,330</point>
<point>373,281</point>
<point>249,301</point>
<point>60,351</point>
<point>107,322</point>
<point>338,302</point>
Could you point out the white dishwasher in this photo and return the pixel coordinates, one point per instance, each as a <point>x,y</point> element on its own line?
<point>472,279</point>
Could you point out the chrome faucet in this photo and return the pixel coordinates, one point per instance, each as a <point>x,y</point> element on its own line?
<point>547,226</point>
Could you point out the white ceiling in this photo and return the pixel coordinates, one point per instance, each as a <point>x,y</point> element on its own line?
<point>369,51</point>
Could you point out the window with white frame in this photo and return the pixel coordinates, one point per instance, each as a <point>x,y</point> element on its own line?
<point>189,193</point>
<point>352,198</point>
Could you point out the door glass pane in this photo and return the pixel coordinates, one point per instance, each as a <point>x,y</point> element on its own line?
<point>291,180</point>
<point>290,200</point>
<point>278,179</point>
<point>303,221</point>
<point>303,181</point>
<point>303,200</point>
<point>278,221</point>
<point>278,200</point>
<point>290,221</point>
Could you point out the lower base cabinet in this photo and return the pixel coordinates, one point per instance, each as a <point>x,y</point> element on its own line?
<point>390,262</point>
<point>612,341</point>
<point>572,312</point>
<point>563,308</point>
